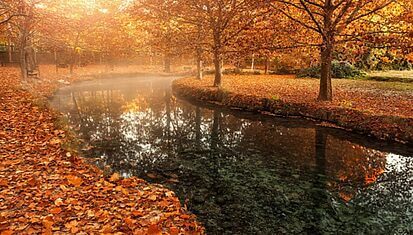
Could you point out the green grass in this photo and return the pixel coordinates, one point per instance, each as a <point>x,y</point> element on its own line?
<point>396,86</point>
<point>391,76</point>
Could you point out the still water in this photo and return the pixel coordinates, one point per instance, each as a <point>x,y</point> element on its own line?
<point>243,173</point>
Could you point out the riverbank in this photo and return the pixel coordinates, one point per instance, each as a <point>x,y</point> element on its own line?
<point>380,109</point>
<point>45,188</point>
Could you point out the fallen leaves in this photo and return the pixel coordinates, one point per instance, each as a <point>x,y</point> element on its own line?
<point>114,178</point>
<point>45,189</point>
<point>4,183</point>
<point>154,230</point>
<point>55,210</point>
<point>74,180</point>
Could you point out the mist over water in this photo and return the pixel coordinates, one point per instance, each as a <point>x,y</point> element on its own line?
<point>243,173</point>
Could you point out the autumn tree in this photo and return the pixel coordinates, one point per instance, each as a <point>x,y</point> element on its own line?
<point>330,19</point>
<point>68,23</point>
<point>165,34</point>
<point>26,27</point>
<point>8,10</point>
<point>273,36</point>
<point>218,23</point>
<point>396,31</point>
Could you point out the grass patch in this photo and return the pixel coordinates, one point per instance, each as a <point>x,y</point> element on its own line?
<point>391,76</point>
<point>394,86</point>
<point>389,79</point>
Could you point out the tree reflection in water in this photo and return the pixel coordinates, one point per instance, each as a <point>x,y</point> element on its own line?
<point>243,173</point>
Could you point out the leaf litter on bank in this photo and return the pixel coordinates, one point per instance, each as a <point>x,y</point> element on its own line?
<point>45,189</point>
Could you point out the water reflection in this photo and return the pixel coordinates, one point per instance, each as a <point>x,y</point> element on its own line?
<point>243,173</point>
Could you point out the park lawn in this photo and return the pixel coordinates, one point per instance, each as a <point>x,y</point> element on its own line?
<point>391,75</point>
<point>379,98</point>
<point>45,188</point>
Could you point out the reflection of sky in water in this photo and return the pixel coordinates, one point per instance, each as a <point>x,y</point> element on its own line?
<point>396,163</point>
<point>243,173</point>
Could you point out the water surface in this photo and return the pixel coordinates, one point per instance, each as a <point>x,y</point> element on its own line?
<point>243,173</point>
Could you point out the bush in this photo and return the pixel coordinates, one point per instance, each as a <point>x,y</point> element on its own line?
<point>312,72</point>
<point>238,71</point>
<point>340,69</point>
<point>235,71</point>
<point>284,70</point>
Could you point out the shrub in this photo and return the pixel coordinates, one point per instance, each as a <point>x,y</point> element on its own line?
<point>238,71</point>
<point>312,72</point>
<point>340,69</point>
<point>284,70</point>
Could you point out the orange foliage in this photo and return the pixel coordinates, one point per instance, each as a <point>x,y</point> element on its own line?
<point>46,189</point>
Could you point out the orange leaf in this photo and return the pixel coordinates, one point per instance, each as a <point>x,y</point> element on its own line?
<point>6,232</point>
<point>137,213</point>
<point>74,180</point>
<point>55,210</point>
<point>130,222</point>
<point>4,182</point>
<point>58,202</point>
<point>174,231</point>
<point>115,177</point>
<point>154,229</point>
<point>48,226</point>
<point>185,216</point>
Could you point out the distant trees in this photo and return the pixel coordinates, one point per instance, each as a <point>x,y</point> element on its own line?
<point>210,25</point>
<point>69,28</point>
<point>222,21</point>
<point>208,29</point>
<point>9,10</point>
<point>227,25</point>
<point>165,35</point>
<point>24,26</point>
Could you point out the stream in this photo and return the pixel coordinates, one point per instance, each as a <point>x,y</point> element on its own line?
<point>239,172</point>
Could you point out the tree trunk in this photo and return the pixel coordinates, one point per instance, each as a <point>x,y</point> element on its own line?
<point>218,68</point>
<point>167,63</point>
<point>326,89</point>
<point>199,64</point>
<point>267,65</point>
<point>253,63</point>
<point>23,64</point>
<point>79,60</point>
<point>73,54</point>
<point>55,60</point>
<point>10,51</point>
<point>72,61</point>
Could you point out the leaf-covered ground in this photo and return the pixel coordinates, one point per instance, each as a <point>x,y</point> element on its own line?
<point>45,189</point>
<point>382,109</point>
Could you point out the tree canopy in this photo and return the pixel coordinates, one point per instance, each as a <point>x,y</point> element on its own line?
<point>211,31</point>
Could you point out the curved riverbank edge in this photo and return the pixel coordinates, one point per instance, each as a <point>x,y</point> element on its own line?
<point>388,128</point>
